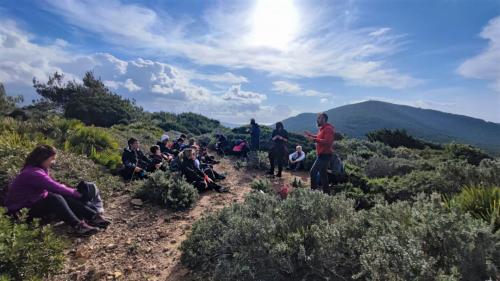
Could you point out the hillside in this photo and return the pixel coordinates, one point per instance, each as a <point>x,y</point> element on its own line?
<point>356,120</point>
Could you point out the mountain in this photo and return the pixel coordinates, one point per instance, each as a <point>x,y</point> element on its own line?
<point>357,119</point>
<point>230,125</point>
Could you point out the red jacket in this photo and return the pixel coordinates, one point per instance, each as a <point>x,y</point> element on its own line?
<point>324,139</point>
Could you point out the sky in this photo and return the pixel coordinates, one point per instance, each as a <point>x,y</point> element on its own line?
<point>263,59</point>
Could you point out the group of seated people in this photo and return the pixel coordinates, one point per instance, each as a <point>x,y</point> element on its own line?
<point>185,156</point>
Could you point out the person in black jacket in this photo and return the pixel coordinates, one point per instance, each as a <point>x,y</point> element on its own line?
<point>194,175</point>
<point>135,163</point>
<point>254,135</point>
<point>158,161</point>
<point>278,152</point>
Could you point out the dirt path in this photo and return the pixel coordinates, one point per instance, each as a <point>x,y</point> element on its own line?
<point>143,242</point>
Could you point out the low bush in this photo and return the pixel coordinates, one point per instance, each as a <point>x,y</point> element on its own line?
<point>481,202</point>
<point>95,143</point>
<point>169,191</point>
<point>312,236</point>
<point>263,185</point>
<point>258,160</point>
<point>379,167</point>
<point>28,251</point>
<point>466,152</point>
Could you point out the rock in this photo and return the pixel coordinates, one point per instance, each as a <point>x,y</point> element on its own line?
<point>136,202</point>
<point>173,241</point>
<point>117,274</point>
<point>111,246</point>
<point>73,276</point>
<point>161,234</point>
<point>128,242</point>
<point>187,227</point>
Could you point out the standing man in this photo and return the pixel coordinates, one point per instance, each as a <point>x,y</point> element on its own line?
<point>254,135</point>
<point>324,151</point>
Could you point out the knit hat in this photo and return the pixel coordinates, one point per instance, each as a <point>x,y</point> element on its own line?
<point>164,137</point>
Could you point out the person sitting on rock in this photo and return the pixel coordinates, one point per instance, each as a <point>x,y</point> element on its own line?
<point>158,161</point>
<point>34,189</point>
<point>194,175</point>
<point>135,163</point>
<point>296,159</point>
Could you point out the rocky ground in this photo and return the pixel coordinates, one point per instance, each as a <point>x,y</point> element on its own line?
<point>143,241</point>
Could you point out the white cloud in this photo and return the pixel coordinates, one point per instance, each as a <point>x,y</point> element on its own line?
<point>153,84</point>
<point>131,86</point>
<point>285,87</point>
<point>318,49</point>
<point>485,65</point>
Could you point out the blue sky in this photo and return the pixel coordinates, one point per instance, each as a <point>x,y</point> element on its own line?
<point>268,59</point>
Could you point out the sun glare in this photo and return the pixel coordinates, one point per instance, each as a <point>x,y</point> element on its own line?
<point>274,23</point>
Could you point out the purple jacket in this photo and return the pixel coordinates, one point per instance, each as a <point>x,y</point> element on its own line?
<point>31,185</point>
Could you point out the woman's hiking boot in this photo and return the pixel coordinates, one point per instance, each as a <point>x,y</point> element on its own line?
<point>99,221</point>
<point>83,229</point>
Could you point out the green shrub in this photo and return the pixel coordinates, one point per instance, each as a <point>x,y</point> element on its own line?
<point>95,143</point>
<point>263,185</point>
<point>169,191</point>
<point>482,202</point>
<point>258,160</point>
<point>28,251</point>
<point>312,236</point>
<point>466,152</point>
<point>297,183</point>
<point>379,167</point>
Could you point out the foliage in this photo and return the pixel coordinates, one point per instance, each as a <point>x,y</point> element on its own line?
<point>7,103</point>
<point>312,236</point>
<point>397,138</point>
<point>95,143</point>
<point>258,160</point>
<point>378,167</point>
<point>28,251</point>
<point>297,183</point>
<point>482,202</point>
<point>466,152</point>
<point>189,123</point>
<point>91,102</point>
<point>263,185</point>
<point>169,191</point>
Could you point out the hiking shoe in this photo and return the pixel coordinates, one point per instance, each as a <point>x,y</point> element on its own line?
<point>99,221</point>
<point>83,229</point>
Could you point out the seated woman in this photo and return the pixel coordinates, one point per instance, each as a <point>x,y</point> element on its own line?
<point>165,146</point>
<point>296,159</point>
<point>194,175</point>
<point>35,190</point>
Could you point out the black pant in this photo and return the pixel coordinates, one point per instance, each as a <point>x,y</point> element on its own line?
<point>277,157</point>
<point>67,209</point>
<point>202,186</point>
<point>297,165</point>
<point>321,165</point>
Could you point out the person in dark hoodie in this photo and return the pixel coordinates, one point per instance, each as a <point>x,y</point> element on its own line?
<point>194,175</point>
<point>324,151</point>
<point>135,163</point>
<point>279,152</point>
<point>254,135</point>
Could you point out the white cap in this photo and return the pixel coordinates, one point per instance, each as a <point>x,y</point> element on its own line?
<point>164,137</point>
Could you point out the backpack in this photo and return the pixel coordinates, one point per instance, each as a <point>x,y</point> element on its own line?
<point>337,169</point>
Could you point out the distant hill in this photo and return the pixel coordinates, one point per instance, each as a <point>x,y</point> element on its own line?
<point>355,120</point>
<point>230,125</point>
